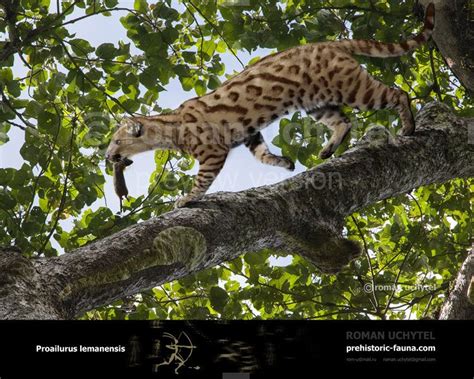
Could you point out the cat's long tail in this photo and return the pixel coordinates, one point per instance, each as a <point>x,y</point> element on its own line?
<point>383,50</point>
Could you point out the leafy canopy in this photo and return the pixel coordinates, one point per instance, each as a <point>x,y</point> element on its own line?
<point>68,103</point>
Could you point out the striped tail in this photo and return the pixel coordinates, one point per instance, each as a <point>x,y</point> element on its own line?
<point>384,50</point>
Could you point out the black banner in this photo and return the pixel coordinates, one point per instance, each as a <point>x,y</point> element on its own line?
<point>233,350</point>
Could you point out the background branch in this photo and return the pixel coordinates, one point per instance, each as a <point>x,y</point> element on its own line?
<point>459,305</point>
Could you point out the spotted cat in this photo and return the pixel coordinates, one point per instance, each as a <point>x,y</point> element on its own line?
<point>318,78</point>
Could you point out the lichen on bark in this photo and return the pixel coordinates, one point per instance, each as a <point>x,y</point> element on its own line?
<point>177,244</point>
<point>180,244</point>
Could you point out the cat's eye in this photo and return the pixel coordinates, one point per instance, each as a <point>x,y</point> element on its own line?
<point>117,142</point>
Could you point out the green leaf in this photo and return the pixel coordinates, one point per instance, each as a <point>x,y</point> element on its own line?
<point>140,5</point>
<point>166,13</point>
<point>213,82</point>
<point>255,258</point>
<point>64,136</point>
<point>47,122</point>
<point>6,175</point>
<point>189,56</point>
<point>170,35</point>
<point>106,51</point>
<point>200,87</point>
<point>31,153</point>
<point>219,298</point>
<point>149,78</point>
<point>169,183</point>
<point>188,83</point>
<point>4,128</point>
<point>21,177</point>
<point>152,43</point>
<point>7,201</point>
<point>13,87</point>
<point>221,47</point>
<point>33,109</point>
<point>81,47</point>
<point>56,83</point>
<point>131,105</point>
<point>208,48</point>
<point>111,3</point>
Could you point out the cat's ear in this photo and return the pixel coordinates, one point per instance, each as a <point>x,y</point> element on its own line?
<point>135,128</point>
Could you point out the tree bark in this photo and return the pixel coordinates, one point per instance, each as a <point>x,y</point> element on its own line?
<point>454,37</point>
<point>303,215</point>
<point>460,303</point>
<point>22,294</point>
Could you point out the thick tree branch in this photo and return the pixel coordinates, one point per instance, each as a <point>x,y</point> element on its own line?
<point>303,215</point>
<point>21,293</point>
<point>454,36</point>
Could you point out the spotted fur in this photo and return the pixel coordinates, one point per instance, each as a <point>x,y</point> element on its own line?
<point>318,78</point>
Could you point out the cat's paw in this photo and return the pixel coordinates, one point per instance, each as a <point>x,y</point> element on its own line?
<point>407,131</point>
<point>183,201</point>
<point>327,152</point>
<point>289,165</point>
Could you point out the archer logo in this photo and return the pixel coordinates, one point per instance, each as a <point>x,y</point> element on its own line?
<point>177,350</point>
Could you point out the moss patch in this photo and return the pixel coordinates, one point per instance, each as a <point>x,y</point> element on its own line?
<point>180,244</point>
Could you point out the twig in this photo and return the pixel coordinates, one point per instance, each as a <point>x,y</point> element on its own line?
<point>200,32</point>
<point>435,77</point>
<point>48,161</point>
<point>309,12</point>
<point>372,274</point>
<point>62,202</point>
<point>387,306</point>
<point>15,124</point>
<point>29,76</point>
<point>71,58</point>
<point>217,31</point>
<point>24,60</point>
<point>298,297</point>
<point>342,311</point>
<point>152,189</point>
<point>138,14</point>
<point>18,114</point>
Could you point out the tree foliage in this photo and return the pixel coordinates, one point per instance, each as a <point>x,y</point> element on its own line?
<point>74,93</point>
